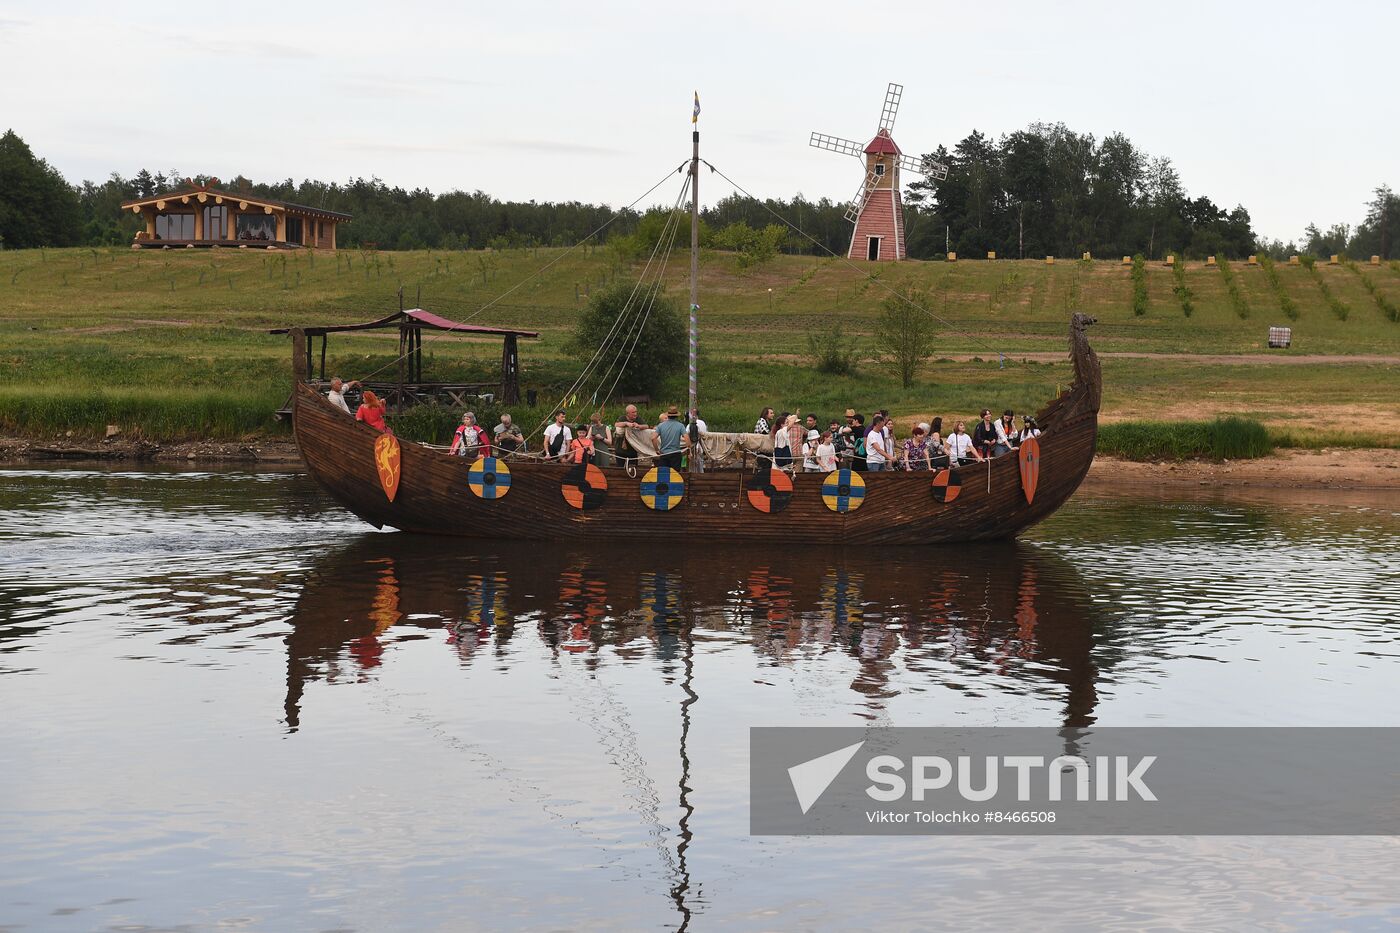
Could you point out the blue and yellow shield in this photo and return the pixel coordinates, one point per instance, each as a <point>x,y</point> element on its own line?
<point>489,478</point>
<point>843,490</point>
<point>662,489</point>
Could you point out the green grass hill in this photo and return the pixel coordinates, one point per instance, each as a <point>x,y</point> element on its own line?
<point>173,343</point>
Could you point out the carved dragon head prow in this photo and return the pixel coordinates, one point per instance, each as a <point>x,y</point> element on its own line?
<point>1087,373</point>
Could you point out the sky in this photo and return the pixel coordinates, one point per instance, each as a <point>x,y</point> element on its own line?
<point>1288,109</point>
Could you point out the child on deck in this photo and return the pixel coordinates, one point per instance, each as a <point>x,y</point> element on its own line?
<point>581,448</point>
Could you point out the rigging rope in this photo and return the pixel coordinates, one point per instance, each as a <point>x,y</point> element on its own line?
<point>666,238</point>
<point>650,303</point>
<point>643,309</point>
<point>629,309</point>
<point>532,276</point>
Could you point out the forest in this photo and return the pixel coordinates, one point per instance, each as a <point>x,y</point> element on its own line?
<point>1046,190</point>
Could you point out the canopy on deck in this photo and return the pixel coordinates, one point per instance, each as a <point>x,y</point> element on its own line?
<point>412,318</point>
<point>410,324</point>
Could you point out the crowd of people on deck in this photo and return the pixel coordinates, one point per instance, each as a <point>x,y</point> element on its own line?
<point>874,446</point>
<point>800,444</point>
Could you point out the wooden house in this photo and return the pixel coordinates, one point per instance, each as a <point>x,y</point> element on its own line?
<point>201,215</point>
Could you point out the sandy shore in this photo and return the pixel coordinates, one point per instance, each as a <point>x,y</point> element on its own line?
<point>1287,469</point>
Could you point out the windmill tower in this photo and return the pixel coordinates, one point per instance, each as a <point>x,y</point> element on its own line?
<point>876,209</point>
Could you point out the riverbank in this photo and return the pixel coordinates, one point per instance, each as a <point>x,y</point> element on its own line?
<point>26,449</point>
<point>176,344</point>
<point>1285,469</point>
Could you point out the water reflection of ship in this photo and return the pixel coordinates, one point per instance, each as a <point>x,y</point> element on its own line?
<point>1007,608</point>
<point>1009,611</point>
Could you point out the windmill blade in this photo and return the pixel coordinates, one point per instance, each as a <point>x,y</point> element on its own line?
<point>837,144</point>
<point>925,166</point>
<point>892,95</point>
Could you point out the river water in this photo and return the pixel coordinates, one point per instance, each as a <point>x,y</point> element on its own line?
<point>227,704</point>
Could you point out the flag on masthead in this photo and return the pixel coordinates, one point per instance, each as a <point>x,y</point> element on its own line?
<point>695,114</point>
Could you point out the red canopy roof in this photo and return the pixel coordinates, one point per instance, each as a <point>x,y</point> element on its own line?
<point>413,317</point>
<point>429,319</point>
<point>883,144</point>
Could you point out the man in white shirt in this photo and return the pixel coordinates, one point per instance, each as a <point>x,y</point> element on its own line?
<point>876,455</point>
<point>337,393</point>
<point>558,437</point>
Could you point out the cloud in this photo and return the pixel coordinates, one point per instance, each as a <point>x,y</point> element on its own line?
<point>242,46</point>
<point>549,146</point>
<point>409,146</point>
<point>373,87</point>
<point>392,147</point>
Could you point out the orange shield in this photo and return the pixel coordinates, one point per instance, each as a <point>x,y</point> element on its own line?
<point>1029,454</point>
<point>386,461</point>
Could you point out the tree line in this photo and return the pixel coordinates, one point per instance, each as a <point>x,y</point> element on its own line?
<point>1377,235</point>
<point>1044,190</point>
<point>1050,191</point>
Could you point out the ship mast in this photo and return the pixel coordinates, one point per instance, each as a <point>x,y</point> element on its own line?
<point>697,457</point>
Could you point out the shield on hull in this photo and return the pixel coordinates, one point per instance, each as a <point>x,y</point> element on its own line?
<point>1029,454</point>
<point>946,486</point>
<point>489,478</point>
<point>769,491</point>
<point>843,491</point>
<point>585,487</point>
<point>386,461</point>
<point>662,489</point>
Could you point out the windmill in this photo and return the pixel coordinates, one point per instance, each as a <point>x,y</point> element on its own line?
<point>876,209</point>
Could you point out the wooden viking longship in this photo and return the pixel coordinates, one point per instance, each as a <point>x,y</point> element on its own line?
<point>415,488</point>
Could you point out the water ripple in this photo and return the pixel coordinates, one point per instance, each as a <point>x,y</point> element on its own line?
<point>230,704</point>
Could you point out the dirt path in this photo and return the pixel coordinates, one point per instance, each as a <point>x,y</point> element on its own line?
<point>1203,359</point>
<point>1231,359</point>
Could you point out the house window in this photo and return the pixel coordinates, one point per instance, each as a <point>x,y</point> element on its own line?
<point>294,230</point>
<point>215,223</point>
<point>175,226</point>
<point>261,227</point>
<point>879,169</point>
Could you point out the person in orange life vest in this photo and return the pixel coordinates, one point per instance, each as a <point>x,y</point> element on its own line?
<point>581,448</point>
